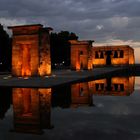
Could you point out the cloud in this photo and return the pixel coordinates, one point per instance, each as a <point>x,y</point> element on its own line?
<point>12,22</point>
<point>99,27</point>
<point>99,19</point>
<point>119,22</point>
<point>132,43</point>
<point>109,21</point>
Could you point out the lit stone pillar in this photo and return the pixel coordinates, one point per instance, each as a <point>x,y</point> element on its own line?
<point>118,54</point>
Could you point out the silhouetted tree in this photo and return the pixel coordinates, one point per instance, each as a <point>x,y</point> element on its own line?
<point>5,50</point>
<point>60,47</point>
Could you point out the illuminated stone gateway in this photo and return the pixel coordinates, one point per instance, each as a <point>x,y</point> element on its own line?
<point>113,55</point>
<point>81,55</point>
<point>31,50</point>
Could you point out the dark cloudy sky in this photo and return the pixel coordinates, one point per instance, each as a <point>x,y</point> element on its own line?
<point>105,21</point>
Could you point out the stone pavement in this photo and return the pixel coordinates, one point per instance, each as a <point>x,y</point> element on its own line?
<point>58,77</point>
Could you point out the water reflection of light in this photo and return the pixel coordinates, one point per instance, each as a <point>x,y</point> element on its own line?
<point>119,86</point>
<point>20,77</point>
<point>137,81</point>
<point>32,109</point>
<point>25,78</point>
<point>7,77</point>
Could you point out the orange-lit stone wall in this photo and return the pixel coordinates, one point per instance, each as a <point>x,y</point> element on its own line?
<point>113,55</point>
<point>30,51</point>
<point>131,56</point>
<point>80,94</point>
<point>45,59</point>
<point>81,55</point>
<point>119,86</point>
<point>31,109</point>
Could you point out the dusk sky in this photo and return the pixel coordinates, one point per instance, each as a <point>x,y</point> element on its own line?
<point>105,21</point>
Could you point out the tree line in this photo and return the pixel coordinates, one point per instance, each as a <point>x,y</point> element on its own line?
<point>60,48</point>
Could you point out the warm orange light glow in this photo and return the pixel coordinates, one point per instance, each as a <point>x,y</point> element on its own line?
<point>30,51</point>
<point>32,109</point>
<point>118,86</point>
<point>77,65</point>
<point>26,97</point>
<point>80,94</point>
<point>113,55</point>
<point>44,69</point>
<point>81,55</point>
<point>90,67</point>
<point>26,56</point>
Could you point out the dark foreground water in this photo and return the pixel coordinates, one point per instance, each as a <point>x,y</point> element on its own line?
<point>97,110</point>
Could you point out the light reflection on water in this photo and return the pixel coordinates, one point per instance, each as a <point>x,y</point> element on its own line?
<point>137,83</point>
<point>108,100</point>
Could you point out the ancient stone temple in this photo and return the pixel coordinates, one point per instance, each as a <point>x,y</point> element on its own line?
<point>113,55</point>
<point>81,55</point>
<point>30,50</point>
<point>32,109</point>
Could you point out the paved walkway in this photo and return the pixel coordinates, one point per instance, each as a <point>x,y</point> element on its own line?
<point>57,78</point>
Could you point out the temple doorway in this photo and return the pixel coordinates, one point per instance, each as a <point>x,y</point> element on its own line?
<point>26,58</point>
<point>108,57</point>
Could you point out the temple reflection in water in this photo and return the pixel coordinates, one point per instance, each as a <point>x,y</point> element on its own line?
<point>119,86</point>
<point>32,106</point>
<point>32,109</point>
<point>81,95</point>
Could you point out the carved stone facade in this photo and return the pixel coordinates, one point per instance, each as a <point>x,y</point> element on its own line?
<point>30,50</point>
<point>113,55</point>
<point>84,56</point>
<point>81,55</point>
<point>32,109</point>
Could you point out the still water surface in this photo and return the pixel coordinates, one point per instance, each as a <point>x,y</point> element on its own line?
<point>102,109</point>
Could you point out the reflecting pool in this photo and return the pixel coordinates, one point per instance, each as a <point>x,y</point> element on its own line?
<point>101,109</point>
